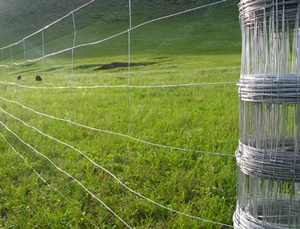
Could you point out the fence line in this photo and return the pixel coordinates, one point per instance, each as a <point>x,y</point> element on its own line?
<point>39,176</point>
<point>102,40</point>
<point>114,133</point>
<point>128,86</point>
<point>117,86</point>
<point>47,26</point>
<point>105,170</point>
<point>64,172</point>
<point>179,13</point>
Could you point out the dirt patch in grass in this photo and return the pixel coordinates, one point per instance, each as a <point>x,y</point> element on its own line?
<point>115,65</point>
<point>159,58</point>
<point>112,66</point>
<point>53,69</point>
<point>85,66</point>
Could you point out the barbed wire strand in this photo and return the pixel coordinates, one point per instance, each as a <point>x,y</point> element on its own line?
<point>58,168</point>
<point>105,39</point>
<point>44,180</point>
<point>114,133</point>
<point>107,171</point>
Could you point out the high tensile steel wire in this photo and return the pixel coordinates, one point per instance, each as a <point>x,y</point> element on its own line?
<point>268,156</point>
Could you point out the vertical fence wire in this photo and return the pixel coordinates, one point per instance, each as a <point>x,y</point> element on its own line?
<point>128,96</point>
<point>268,156</point>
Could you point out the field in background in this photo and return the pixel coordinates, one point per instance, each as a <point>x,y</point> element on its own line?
<point>198,47</point>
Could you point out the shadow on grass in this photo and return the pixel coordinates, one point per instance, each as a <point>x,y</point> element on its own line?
<point>53,69</point>
<point>115,65</point>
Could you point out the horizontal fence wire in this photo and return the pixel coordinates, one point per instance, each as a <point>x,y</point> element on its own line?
<point>99,41</point>
<point>127,136</point>
<point>114,133</point>
<point>117,86</point>
<point>47,26</point>
<point>42,179</point>
<point>99,166</point>
<point>59,169</point>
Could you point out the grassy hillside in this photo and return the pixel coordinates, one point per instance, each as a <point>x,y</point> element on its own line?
<point>103,18</point>
<point>202,46</point>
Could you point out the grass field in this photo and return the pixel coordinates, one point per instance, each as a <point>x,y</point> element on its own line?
<point>199,47</point>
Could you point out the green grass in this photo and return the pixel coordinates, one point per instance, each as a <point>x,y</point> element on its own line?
<point>193,48</point>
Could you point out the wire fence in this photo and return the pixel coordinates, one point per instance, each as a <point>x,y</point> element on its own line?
<point>126,134</point>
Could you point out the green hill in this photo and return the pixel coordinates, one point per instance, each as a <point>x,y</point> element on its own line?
<point>203,29</point>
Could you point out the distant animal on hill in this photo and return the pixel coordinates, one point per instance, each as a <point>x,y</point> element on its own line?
<point>19,77</point>
<point>38,78</point>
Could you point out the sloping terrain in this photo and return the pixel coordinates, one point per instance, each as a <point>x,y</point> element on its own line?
<point>19,18</point>
<point>129,120</point>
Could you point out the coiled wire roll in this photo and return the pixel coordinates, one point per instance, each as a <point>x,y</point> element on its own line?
<point>270,88</point>
<point>281,163</point>
<point>243,218</point>
<point>256,11</point>
<point>268,156</point>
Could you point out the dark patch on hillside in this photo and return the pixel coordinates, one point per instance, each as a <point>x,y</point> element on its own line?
<point>53,69</point>
<point>112,66</point>
<point>85,66</point>
<point>115,65</point>
<point>160,58</point>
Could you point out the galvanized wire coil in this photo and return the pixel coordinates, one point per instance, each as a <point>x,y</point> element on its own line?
<point>258,11</point>
<point>270,88</point>
<point>288,218</point>
<point>281,163</point>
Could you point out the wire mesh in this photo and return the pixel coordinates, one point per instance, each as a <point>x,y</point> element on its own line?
<point>268,156</point>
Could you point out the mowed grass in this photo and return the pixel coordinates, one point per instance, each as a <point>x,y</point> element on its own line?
<point>193,49</point>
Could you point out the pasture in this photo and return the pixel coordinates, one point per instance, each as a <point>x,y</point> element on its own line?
<point>134,121</point>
